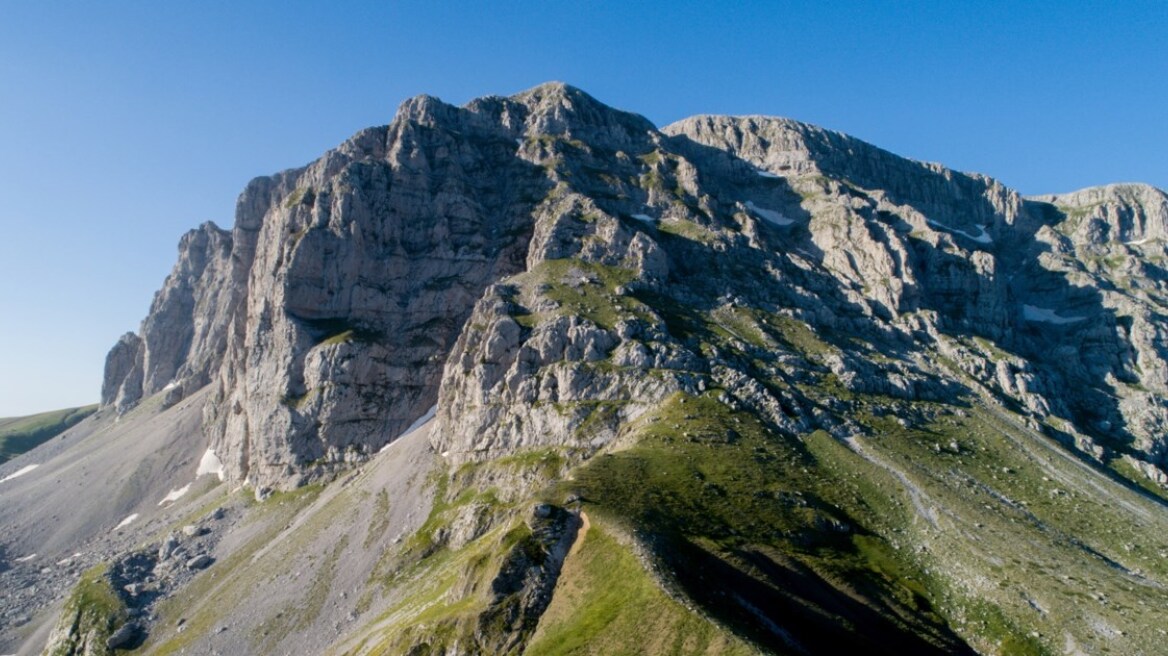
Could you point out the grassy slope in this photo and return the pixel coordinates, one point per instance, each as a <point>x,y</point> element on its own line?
<point>92,613</point>
<point>744,523</point>
<point>1030,549</point>
<point>606,603</point>
<point>21,434</point>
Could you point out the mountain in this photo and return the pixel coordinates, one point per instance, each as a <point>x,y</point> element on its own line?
<point>534,376</point>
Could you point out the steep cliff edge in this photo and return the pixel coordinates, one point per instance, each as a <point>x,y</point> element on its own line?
<point>181,341</point>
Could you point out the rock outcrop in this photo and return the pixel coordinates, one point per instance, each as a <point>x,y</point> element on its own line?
<point>514,261</point>
<point>182,340</point>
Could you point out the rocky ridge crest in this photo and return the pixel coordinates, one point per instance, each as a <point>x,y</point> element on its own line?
<point>514,262</point>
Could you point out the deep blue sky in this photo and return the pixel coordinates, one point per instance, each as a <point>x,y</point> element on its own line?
<point>123,124</point>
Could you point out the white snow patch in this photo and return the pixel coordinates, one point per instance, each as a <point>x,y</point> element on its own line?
<point>983,238</point>
<point>414,426</point>
<point>765,174</point>
<point>519,142</point>
<point>19,472</point>
<point>171,385</point>
<point>643,217</point>
<point>770,215</point>
<point>1138,242</point>
<point>126,522</point>
<point>175,495</point>
<point>25,559</point>
<point>1034,313</point>
<point>210,464</point>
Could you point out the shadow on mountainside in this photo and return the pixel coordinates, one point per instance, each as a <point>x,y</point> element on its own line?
<point>1001,302</point>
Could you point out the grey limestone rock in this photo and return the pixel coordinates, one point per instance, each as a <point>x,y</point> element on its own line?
<point>182,339</point>
<point>199,562</point>
<point>123,636</point>
<point>519,261</point>
<point>122,384</point>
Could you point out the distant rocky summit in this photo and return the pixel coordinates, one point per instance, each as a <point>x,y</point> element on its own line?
<point>533,375</point>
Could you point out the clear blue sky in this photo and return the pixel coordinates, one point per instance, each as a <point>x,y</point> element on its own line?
<point>123,124</point>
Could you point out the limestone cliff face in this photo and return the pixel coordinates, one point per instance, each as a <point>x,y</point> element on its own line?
<point>524,264</point>
<point>181,341</point>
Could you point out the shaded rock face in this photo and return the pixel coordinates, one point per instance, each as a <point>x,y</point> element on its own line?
<point>517,261</point>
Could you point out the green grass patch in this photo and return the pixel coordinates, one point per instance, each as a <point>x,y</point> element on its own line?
<point>91,614</point>
<point>21,434</point>
<point>606,603</point>
<point>587,289</point>
<point>686,230</point>
<point>340,338</point>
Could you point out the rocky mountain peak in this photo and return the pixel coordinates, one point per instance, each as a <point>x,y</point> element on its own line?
<point>563,110</point>
<point>323,320</point>
<point>1114,212</point>
<point>831,397</point>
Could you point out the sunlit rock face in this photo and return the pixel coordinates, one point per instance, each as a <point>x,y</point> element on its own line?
<point>464,257</point>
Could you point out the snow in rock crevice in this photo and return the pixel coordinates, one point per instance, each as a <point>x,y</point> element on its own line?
<point>1035,313</point>
<point>175,495</point>
<point>766,174</point>
<point>126,522</point>
<point>210,464</point>
<point>643,217</point>
<point>418,423</point>
<point>19,472</point>
<point>982,238</point>
<point>774,217</point>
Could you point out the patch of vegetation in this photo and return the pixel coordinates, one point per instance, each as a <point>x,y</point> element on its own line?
<point>587,289</point>
<point>90,616</point>
<point>337,330</point>
<point>427,539</point>
<point>686,230</point>
<point>442,598</point>
<point>799,335</point>
<point>698,466</point>
<point>727,505</point>
<point>1137,478</point>
<point>548,462</point>
<point>298,195</point>
<point>297,402</point>
<point>973,489</point>
<point>606,603</point>
<point>21,434</point>
<point>340,338</point>
<point>380,520</point>
<point>996,353</point>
